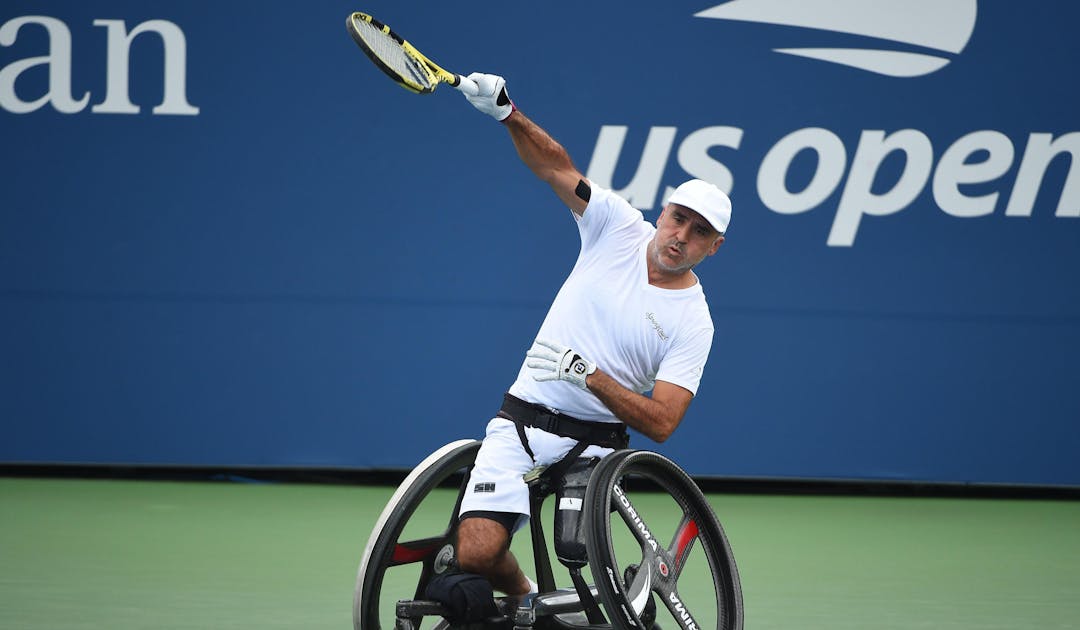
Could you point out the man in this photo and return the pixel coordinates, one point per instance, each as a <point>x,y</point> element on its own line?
<point>632,305</point>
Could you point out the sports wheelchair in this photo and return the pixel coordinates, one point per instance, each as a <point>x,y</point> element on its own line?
<point>633,567</point>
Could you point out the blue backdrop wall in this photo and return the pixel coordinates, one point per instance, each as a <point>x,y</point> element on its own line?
<point>227,239</point>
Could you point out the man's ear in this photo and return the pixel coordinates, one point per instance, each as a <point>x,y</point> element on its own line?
<point>716,244</point>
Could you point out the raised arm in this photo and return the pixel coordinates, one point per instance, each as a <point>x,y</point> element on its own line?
<point>548,160</point>
<point>545,157</point>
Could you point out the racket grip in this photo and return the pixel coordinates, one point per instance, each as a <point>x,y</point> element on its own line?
<point>467,85</point>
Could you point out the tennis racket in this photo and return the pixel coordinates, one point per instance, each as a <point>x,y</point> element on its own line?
<point>399,59</point>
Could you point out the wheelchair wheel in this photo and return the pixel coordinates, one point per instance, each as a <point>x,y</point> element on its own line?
<point>412,538</point>
<point>642,551</point>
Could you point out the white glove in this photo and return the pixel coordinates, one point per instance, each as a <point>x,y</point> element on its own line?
<point>557,362</point>
<point>491,98</point>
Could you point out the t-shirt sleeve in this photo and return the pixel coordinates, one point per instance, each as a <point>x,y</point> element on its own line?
<point>606,214</point>
<point>685,362</point>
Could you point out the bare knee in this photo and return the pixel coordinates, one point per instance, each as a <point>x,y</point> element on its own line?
<point>482,545</point>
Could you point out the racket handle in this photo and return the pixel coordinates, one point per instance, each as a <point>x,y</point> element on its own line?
<point>467,85</point>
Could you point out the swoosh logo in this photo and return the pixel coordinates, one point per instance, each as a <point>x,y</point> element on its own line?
<point>943,27</point>
<point>639,599</point>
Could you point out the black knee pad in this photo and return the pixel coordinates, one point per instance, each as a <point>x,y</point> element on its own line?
<point>569,524</point>
<point>468,597</point>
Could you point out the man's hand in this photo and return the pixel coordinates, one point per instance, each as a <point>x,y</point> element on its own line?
<point>492,98</point>
<point>557,362</point>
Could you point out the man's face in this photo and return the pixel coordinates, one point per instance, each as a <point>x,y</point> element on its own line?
<point>683,239</point>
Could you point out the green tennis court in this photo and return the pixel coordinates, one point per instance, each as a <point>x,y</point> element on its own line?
<point>82,554</point>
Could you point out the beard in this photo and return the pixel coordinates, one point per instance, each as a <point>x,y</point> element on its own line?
<point>654,254</point>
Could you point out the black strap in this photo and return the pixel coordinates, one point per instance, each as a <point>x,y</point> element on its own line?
<point>592,608</point>
<point>559,468</point>
<point>523,438</point>
<point>545,577</point>
<point>526,414</point>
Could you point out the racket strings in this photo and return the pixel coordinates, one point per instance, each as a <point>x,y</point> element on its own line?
<point>393,55</point>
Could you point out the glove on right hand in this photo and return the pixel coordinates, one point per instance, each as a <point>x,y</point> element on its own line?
<point>492,98</point>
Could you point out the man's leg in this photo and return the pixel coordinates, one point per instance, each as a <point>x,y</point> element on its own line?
<point>484,548</point>
<point>496,499</point>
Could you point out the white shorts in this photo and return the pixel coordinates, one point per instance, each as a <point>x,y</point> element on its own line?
<point>496,483</point>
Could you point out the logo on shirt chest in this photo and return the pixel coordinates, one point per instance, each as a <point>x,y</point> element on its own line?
<point>649,315</point>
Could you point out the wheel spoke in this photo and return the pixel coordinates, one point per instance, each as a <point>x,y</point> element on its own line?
<point>640,588</point>
<point>681,545</point>
<point>636,524</point>
<point>416,550</point>
<point>678,609</point>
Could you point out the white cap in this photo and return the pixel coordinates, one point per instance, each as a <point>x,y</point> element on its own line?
<point>705,199</point>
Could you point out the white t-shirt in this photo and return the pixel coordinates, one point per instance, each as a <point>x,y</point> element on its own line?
<point>609,313</point>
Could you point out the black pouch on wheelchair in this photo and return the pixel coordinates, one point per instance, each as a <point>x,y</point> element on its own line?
<point>569,525</point>
<point>468,597</point>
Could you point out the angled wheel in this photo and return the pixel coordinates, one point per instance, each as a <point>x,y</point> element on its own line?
<point>412,538</point>
<point>661,553</point>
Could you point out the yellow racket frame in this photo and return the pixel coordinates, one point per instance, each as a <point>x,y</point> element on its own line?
<point>433,72</point>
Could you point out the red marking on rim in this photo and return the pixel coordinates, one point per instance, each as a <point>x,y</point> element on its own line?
<point>405,555</point>
<point>682,543</point>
